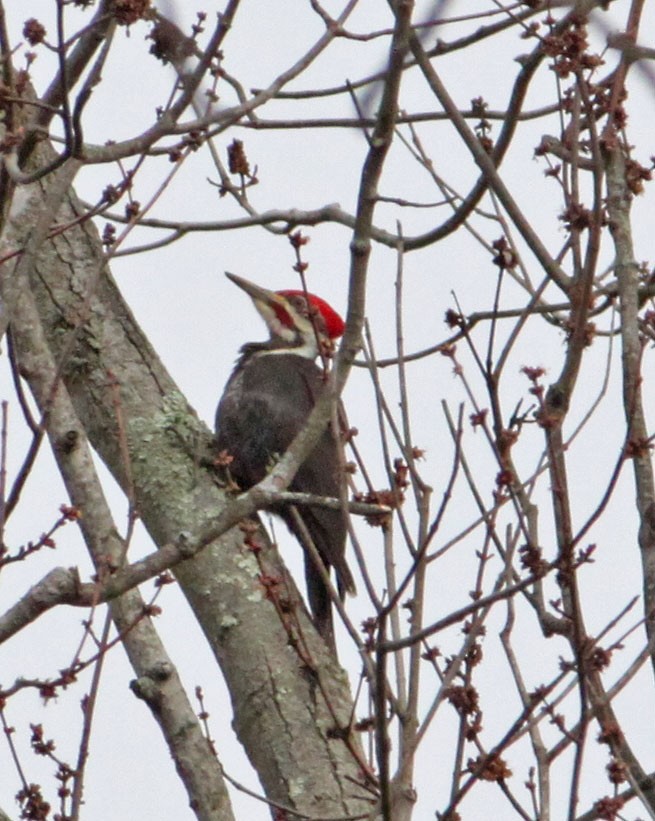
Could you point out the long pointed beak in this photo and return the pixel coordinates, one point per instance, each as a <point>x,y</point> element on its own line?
<point>280,318</point>
<point>255,292</point>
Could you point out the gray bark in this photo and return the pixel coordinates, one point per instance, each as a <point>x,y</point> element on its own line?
<point>287,701</point>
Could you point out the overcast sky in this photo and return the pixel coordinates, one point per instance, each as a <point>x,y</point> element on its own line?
<point>197,320</point>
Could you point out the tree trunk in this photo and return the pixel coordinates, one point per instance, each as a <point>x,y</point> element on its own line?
<point>290,706</point>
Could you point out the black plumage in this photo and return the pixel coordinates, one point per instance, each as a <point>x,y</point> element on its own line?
<point>266,403</point>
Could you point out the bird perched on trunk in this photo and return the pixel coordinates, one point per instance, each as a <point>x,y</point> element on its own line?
<point>271,392</point>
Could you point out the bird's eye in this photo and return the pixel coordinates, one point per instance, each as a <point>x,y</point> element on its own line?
<point>300,304</point>
<point>305,308</point>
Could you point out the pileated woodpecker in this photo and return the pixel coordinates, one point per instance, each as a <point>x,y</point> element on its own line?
<point>272,390</point>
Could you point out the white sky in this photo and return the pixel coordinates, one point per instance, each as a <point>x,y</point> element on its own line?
<point>197,320</point>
